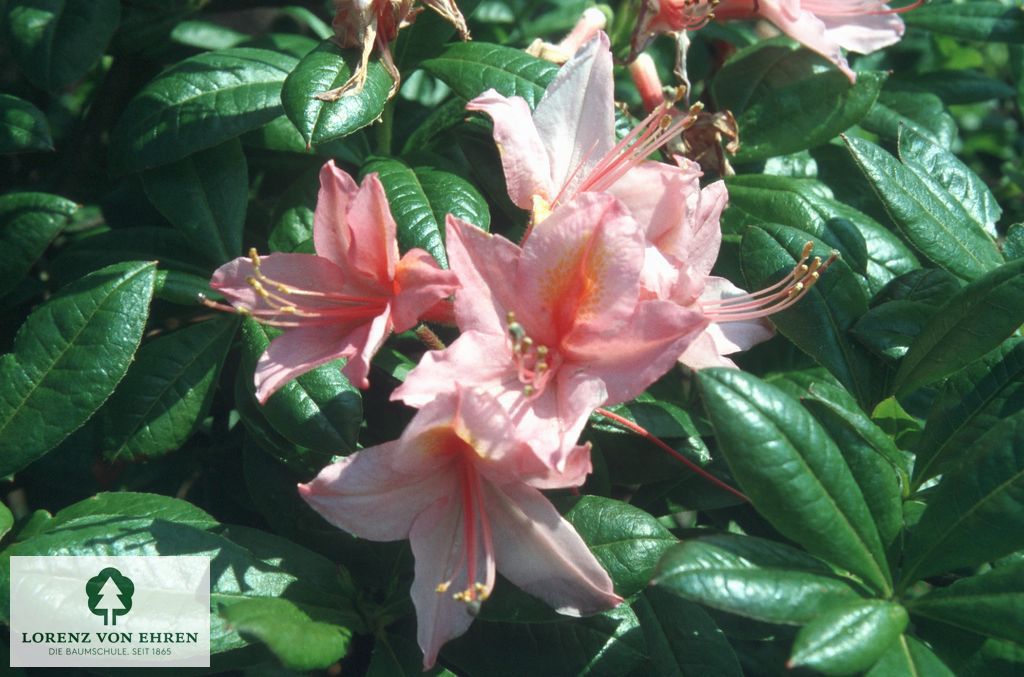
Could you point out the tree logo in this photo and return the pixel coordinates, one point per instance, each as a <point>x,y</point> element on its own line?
<point>110,594</point>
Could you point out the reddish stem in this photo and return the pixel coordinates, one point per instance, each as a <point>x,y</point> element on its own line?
<point>643,432</point>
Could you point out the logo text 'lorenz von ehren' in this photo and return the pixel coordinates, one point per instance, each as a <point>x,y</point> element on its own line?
<point>110,612</point>
<point>110,595</point>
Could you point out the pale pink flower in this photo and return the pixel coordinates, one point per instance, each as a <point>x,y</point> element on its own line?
<point>344,301</point>
<point>555,328</point>
<point>462,486</point>
<point>587,27</point>
<point>827,26</point>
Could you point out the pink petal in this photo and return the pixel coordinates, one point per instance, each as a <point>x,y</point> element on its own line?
<point>541,552</point>
<point>437,542</point>
<point>656,195</point>
<point>485,266</point>
<point>580,270</point>
<point>480,361</point>
<point>703,353</point>
<point>301,271</point>
<point>295,352</point>
<point>576,116</point>
<point>705,237</point>
<point>365,495</point>
<point>808,30</point>
<point>419,284</point>
<point>373,250</point>
<point>331,235</point>
<point>360,345</point>
<point>523,154</point>
<point>864,34</point>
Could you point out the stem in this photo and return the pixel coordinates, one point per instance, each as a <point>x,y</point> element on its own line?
<point>384,128</point>
<point>643,432</point>
<point>429,338</point>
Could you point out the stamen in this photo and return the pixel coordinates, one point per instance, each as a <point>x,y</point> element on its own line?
<point>474,524</point>
<point>531,362</point>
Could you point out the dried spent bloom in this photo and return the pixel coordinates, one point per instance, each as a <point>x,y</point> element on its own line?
<point>462,486</point>
<point>364,24</point>
<point>344,301</point>
<point>827,26</point>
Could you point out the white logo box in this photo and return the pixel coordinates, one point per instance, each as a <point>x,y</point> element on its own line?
<point>163,622</point>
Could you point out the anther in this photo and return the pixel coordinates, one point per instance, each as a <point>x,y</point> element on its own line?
<point>443,587</point>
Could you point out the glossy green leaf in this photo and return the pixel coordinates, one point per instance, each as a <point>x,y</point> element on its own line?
<point>985,21</point>
<point>793,472</point>
<point>320,410</point>
<point>421,197</point>
<point>166,393</point>
<point>298,641</point>
<point>135,504</point>
<point>937,226</point>
<point>990,604</point>
<point>94,251</point>
<point>55,42</point>
<point>977,512</point>
<point>68,357</point>
<point>427,36</point>
<point>819,324</point>
<point>920,111</point>
<point>206,35</point>
<point>6,520</point>
<point>881,470</point>
<point>755,71</point>
<point>293,213</point>
<point>183,289</point>
<point>471,68</point>
<point>956,86</point>
<point>199,103</point>
<point>752,577</point>
<point>205,197</point>
<point>890,329</point>
<point>849,639</point>
<point>928,286</point>
<point>23,127</point>
<point>605,645</point>
<point>909,657</point>
<point>805,114</point>
<point>1013,245</point>
<point>946,176</point>
<point>28,222</point>
<point>325,68</point>
<point>682,640</point>
<point>970,403</point>
<point>973,322</point>
<point>626,540</point>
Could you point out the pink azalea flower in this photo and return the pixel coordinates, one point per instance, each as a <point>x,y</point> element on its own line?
<point>463,488</point>
<point>827,26</point>
<point>344,301</point>
<point>557,327</point>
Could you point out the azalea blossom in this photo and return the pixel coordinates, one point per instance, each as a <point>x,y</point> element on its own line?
<point>462,486</point>
<point>365,24</point>
<point>590,23</point>
<point>556,328</point>
<point>344,301</point>
<point>827,26</point>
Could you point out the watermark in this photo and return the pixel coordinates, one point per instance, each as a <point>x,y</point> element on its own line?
<point>110,612</point>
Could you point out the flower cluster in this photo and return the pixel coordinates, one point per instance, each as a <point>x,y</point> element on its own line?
<point>610,287</point>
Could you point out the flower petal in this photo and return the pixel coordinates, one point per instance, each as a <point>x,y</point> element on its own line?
<point>523,154</point>
<point>541,552</point>
<point>297,351</point>
<point>365,495</point>
<point>419,284</point>
<point>576,116</point>
<point>361,344</point>
<point>373,249</point>
<point>656,195</point>
<point>486,266</point>
<point>331,235</point>
<point>300,271</point>
<point>864,34</point>
<point>478,360</point>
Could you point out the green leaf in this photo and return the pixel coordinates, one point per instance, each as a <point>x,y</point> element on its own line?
<point>908,657</point>
<point>166,393</point>
<point>955,86</point>
<point>945,175</point>
<point>319,410</point>
<point>819,324</point>
<point>299,642</point>
<point>28,222</point>
<point>920,111</point>
<point>792,472</point>
<point>626,540</point>
<point>849,639</point>
<point>608,644</point>
<point>979,20</point>
<point>878,466</point>
<point>68,357</point>
<point>682,639</point>
<point>23,127</point>
<point>55,42</point>
<point>990,604</point>
<point>206,35</point>
<point>325,68</point>
<point>973,322</point>
<point>977,512</point>
<point>94,251</point>
<point>6,520</point>
<point>926,214</point>
<point>471,68</point>
<point>1013,245</point>
<point>133,504</point>
<point>752,577</point>
<point>183,289</point>
<point>890,329</point>
<point>421,197</point>
<point>293,213</point>
<point>806,114</point>
<point>199,103</point>
<point>205,197</point>
<point>929,286</point>
<point>970,404</point>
